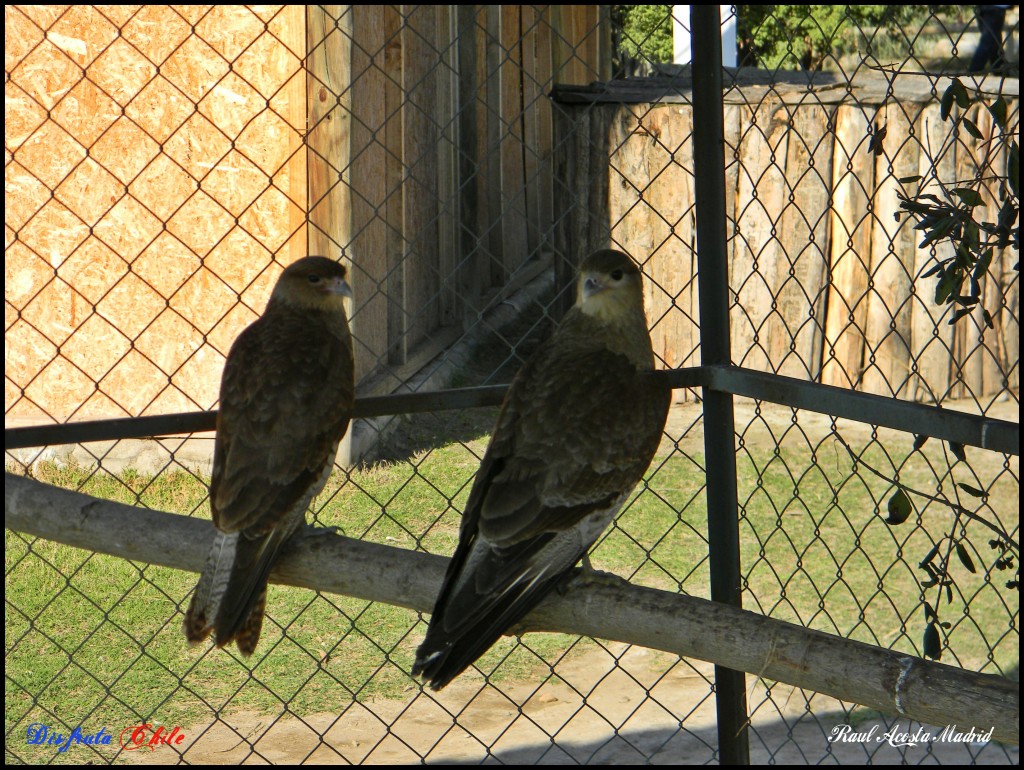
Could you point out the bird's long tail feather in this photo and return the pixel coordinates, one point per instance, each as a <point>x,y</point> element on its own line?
<point>230,597</point>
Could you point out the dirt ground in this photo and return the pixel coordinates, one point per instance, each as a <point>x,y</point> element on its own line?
<point>618,724</point>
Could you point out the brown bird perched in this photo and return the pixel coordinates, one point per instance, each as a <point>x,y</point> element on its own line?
<point>285,402</point>
<point>578,428</point>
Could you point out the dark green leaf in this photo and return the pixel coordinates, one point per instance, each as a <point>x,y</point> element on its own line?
<point>909,179</point>
<point>946,105</point>
<point>968,196</point>
<point>958,451</point>
<point>971,128</point>
<point>972,491</point>
<point>965,557</point>
<point>944,288</point>
<point>981,268</point>
<point>964,256</point>
<point>943,227</point>
<point>963,100</point>
<point>1013,170</point>
<point>930,555</point>
<point>959,314</point>
<point>1008,213</point>
<point>998,110</point>
<point>899,508</point>
<point>929,613</point>
<point>949,592</point>
<point>988,319</point>
<point>916,207</point>
<point>875,144</point>
<point>937,269</point>
<point>932,642</point>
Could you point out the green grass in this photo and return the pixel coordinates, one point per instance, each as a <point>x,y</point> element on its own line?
<point>96,640</point>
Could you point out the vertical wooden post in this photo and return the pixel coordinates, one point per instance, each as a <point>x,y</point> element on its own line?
<point>292,33</point>
<point>329,118</point>
<point>931,339</point>
<point>329,142</point>
<point>853,170</point>
<point>887,328</point>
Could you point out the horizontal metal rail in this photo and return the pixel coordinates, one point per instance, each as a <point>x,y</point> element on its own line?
<point>920,419</point>
<point>203,422</point>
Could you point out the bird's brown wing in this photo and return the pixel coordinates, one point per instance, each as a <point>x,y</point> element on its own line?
<point>286,399</point>
<point>578,429</point>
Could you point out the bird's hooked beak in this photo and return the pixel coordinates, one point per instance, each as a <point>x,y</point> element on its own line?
<point>592,285</point>
<point>338,286</point>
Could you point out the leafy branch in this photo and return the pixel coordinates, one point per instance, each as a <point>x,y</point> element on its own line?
<point>952,216</point>
<point>936,563</point>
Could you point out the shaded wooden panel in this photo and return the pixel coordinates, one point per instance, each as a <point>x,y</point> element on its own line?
<point>931,338</point>
<point>473,258</point>
<point>492,130</point>
<point>514,220</point>
<point>540,114</point>
<point>758,258</point>
<point>581,192</point>
<point>805,235</point>
<point>449,141</point>
<point>850,257</point>
<point>597,226</point>
<point>566,159</point>
<point>887,327</point>
<point>417,307</point>
<point>393,206</point>
<point>369,252</point>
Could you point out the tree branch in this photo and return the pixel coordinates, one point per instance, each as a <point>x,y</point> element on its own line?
<point>891,682</point>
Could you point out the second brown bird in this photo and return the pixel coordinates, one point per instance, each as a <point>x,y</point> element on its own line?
<point>579,426</point>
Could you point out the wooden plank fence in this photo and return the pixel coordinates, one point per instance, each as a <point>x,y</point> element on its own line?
<point>825,280</point>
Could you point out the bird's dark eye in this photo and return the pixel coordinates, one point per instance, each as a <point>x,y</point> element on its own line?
<point>616,275</point>
<point>314,279</point>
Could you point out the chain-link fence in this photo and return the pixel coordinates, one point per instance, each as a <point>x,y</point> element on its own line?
<point>163,163</point>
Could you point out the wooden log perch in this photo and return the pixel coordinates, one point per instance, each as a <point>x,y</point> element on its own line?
<point>889,681</point>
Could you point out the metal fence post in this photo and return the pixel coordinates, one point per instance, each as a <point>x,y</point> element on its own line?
<point>719,428</point>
